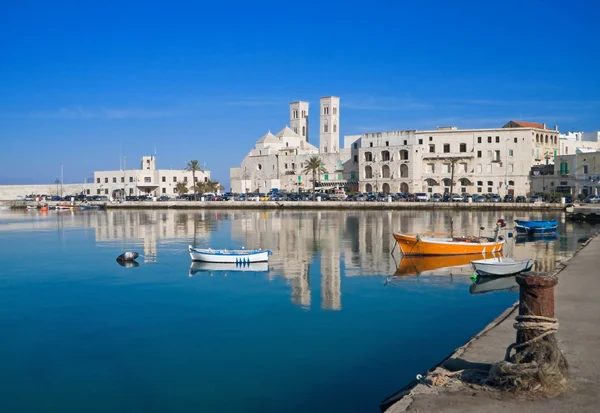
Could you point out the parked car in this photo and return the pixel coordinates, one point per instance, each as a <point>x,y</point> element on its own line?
<point>495,198</point>
<point>521,199</point>
<point>422,196</point>
<point>508,198</point>
<point>436,198</point>
<point>592,199</point>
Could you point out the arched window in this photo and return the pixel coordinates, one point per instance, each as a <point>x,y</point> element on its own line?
<point>368,157</point>
<point>537,137</point>
<point>368,172</point>
<point>403,171</point>
<point>325,126</point>
<point>304,131</point>
<point>546,138</point>
<point>404,155</point>
<point>259,167</point>
<point>334,128</point>
<point>385,171</point>
<point>511,183</point>
<point>385,155</point>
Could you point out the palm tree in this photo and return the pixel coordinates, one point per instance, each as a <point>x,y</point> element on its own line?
<point>181,188</point>
<point>193,167</point>
<point>315,166</point>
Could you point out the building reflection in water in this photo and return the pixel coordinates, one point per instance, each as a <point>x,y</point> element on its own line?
<point>306,245</point>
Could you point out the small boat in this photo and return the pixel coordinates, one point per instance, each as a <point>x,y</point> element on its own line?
<point>229,256</point>
<point>4,207</point>
<point>488,284</point>
<point>31,207</point>
<point>528,227</point>
<point>412,245</point>
<point>199,267</point>
<point>501,266</point>
<point>66,206</point>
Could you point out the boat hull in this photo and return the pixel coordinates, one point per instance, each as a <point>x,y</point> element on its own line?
<point>501,267</point>
<point>198,267</point>
<point>536,227</point>
<point>416,245</point>
<point>228,256</point>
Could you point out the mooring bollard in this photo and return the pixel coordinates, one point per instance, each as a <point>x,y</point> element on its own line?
<point>536,299</point>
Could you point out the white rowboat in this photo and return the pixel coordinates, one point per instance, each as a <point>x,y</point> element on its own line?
<point>501,266</point>
<point>229,256</point>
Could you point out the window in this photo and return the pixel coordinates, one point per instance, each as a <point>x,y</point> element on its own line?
<point>446,148</point>
<point>516,140</point>
<point>387,143</point>
<point>370,144</point>
<point>105,180</point>
<point>205,179</point>
<point>510,152</point>
<point>147,179</point>
<point>185,179</point>
<point>497,155</point>
<point>479,154</point>
<point>463,147</point>
<point>295,129</point>
<point>430,138</point>
<point>385,155</point>
<point>325,127</point>
<point>325,110</point>
<point>164,190</point>
<point>87,191</point>
<point>259,167</point>
<point>122,179</point>
<point>368,157</point>
<point>304,131</point>
<point>420,141</point>
<point>164,179</point>
<point>303,114</point>
<point>355,158</point>
<point>175,179</point>
<point>585,169</point>
<point>404,155</point>
<point>479,189</point>
<point>355,145</point>
<point>490,189</point>
<point>511,183</point>
<point>98,191</point>
<point>479,183</point>
<point>97,180</point>
<point>326,177</point>
<point>295,114</point>
<point>131,179</point>
<point>489,139</point>
<point>334,127</point>
<point>490,183</point>
<point>335,110</point>
<point>479,139</point>
<point>293,165</point>
<point>537,138</point>
<point>497,139</point>
<point>340,177</point>
<point>325,149</point>
<point>431,148</point>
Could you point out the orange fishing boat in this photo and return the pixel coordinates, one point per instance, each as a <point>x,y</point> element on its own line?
<point>412,245</point>
<point>418,265</point>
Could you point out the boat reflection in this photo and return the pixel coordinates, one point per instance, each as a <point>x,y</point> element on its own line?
<point>197,267</point>
<point>128,264</point>
<point>523,238</point>
<point>419,265</point>
<point>488,284</point>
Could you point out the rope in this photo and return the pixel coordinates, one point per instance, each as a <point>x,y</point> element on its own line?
<point>547,325</point>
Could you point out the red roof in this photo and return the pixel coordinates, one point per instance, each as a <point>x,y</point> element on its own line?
<point>523,124</point>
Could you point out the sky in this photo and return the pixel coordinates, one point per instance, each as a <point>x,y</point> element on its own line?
<point>86,84</point>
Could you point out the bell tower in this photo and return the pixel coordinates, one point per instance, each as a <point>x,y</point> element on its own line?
<point>329,135</point>
<point>299,118</point>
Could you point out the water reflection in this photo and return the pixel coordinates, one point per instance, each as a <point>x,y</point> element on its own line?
<point>313,251</point>
<point>218,268</point>
<point>489,284</point>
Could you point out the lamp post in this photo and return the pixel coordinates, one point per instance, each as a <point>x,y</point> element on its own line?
<point>506,169</point>
<point>61,179</point>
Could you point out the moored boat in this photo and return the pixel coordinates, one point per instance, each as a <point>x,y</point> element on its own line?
<point>529,227</point>
<point>501,266</point>
<point>228,256</point>
<point>421,245</point>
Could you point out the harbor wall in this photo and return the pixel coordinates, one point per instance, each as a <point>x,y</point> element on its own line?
<point>18,192</point>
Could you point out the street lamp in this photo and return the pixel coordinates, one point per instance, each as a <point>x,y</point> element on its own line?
<point>61,179</point>
<point>506,169</point>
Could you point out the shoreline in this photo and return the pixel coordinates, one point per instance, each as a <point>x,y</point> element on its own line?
<point>498,330</point>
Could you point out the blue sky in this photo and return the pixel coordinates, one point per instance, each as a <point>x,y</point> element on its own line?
<point>85,84</point>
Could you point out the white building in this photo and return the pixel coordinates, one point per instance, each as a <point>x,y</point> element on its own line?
<point>578,142</point>
<point>495,160</point>
<point>278,161</point>
<point>144,181</point>
<point>573,175</point>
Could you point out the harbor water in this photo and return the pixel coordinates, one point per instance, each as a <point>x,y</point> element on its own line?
<point>334,322</point>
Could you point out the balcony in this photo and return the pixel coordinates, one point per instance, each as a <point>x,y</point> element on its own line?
<point>290,172</point>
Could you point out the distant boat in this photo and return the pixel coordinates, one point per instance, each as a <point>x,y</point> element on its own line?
<point>198,267</point>
<point>31,207</point>
<point>4,207</point>
<point>501,266</point>
<point>229,256</point>
<point>529,227</point>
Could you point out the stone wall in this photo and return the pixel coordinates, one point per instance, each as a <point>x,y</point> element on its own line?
<point>13,192</point>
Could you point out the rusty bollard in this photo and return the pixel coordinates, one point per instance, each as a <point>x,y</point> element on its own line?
<point>537,365</point>
<point>536,298</point>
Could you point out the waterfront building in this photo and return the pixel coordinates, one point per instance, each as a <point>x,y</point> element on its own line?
<point>147,180</point>
<point>495,160</point>
<point>572,175</point>
<point>574,142</point>
<point>278,160</point>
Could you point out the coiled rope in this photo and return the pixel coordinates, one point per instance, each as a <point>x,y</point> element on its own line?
<point>547,325</point>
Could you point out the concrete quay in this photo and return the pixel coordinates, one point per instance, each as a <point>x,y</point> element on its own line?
<point>334,205</point>
<point>577,308</point>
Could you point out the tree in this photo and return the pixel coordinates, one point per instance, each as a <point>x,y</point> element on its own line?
<point>181,188</point>
<point>193,167</point>
<point>315,166</point>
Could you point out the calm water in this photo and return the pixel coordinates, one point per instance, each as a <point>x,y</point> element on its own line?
<point>323,328</point>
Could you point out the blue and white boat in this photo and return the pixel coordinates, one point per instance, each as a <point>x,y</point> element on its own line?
<point>524,227</point>
<point>229,256</point>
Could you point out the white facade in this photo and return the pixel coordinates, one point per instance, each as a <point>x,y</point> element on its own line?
<point>144,181</point>
<point>278,161</point>
<point>573,174</point>
<point>578,142</point>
